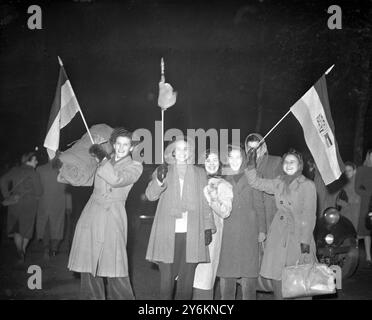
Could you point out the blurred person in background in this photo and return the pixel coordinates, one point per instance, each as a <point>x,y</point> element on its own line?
<point>363,186</point>
<point>54,204</point>
<point>348,201</point>
<point>21,189</point>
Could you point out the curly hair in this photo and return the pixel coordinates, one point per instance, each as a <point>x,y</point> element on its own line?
<point>120,132</point>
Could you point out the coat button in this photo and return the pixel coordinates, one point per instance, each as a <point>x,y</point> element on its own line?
<point>281,201</point>
<point>281,217</point>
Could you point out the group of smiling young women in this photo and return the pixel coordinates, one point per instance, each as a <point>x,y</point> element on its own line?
<point>210,222</point>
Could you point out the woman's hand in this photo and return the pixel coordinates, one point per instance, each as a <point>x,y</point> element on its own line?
<point>161,172</point>
<point>98,152</point>
<point>261,237</point>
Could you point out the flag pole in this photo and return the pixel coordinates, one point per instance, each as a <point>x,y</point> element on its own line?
<point>81,112</point>
<point>272,129</point>
<point>162,79</point>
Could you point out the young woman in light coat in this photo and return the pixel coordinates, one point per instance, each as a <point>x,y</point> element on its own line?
<point>183,223</point>
<point>219,194</point>
<point>99,247</point>
<point>290,238</point>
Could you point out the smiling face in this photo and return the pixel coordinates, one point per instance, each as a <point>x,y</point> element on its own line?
<point>349,172</point>
<point>212,163</point>
<point>290,164</point>
<point>235,159</point>
<point>122,147</point>
<point>181,152</point>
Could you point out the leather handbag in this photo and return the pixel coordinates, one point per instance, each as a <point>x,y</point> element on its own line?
<point>306,280</point>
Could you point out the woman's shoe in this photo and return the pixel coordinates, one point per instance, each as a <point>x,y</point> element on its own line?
<point>369,264</point>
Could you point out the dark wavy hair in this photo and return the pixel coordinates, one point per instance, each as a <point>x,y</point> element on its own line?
<point>28,156</point>
<point>120,132</point>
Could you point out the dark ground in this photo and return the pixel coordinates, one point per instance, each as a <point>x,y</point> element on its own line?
<point>59,284</point>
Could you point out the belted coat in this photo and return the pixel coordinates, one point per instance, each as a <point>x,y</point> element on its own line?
<point>293,223</point>
<point>99,245</point>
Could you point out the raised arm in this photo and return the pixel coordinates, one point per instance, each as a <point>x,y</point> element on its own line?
<point>120,177</point>
<point>266,185</point>
<point>308,216</point>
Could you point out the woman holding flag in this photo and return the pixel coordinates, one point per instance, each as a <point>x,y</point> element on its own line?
<point>290,238</point>
<point>99,247</point>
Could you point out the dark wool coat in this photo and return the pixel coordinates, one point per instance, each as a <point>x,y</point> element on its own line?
<point>269,167</point>
<point>239,249</point>
<point>52,204</point>
<point>21,216</point>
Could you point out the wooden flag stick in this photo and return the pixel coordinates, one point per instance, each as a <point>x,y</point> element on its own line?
<point>272,129</point>
<point>162,135</point>
<point>162,79</point>
<point>81,112</point>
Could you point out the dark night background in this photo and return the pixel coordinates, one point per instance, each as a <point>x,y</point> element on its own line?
<point>224,59</point>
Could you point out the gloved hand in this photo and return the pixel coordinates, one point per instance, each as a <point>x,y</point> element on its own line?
<point>161,172</point>
<point>98,152</point>
<point>56,161</point>
<point>208,236</point>
<point>252,158</point>
<point>305,248</point>
<point>261,237</point>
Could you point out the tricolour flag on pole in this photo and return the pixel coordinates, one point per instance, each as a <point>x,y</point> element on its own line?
<point>314,114</point>
<point>64,108</point>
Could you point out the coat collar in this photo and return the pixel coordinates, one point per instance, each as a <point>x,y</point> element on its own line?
<point>124,160</point>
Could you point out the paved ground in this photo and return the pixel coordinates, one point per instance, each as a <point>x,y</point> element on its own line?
<point>59,283</point>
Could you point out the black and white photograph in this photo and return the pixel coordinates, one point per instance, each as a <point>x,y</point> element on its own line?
<point>196,151</point>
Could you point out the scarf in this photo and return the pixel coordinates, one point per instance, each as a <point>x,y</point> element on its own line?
<point>189,200</point>
<point>288,179</point>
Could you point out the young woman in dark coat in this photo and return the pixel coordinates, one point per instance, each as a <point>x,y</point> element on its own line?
<point>239,257</point>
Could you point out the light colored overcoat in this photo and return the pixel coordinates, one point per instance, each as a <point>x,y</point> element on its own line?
<point>99,245</point>
<point>292,225</point>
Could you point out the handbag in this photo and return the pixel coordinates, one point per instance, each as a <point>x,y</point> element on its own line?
<point>306,280</point>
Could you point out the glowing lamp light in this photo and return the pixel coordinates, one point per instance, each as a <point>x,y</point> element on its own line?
<point>332,216</point>
<point>329,238</point>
